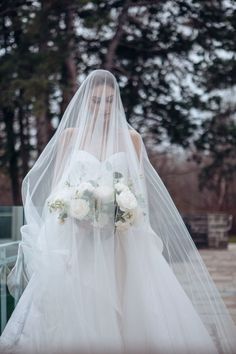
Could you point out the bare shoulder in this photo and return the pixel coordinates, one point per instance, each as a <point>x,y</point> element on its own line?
<point>134,133</point>
<point>136,138</point>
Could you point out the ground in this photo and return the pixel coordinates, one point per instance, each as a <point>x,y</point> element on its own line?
<point>222,267</point>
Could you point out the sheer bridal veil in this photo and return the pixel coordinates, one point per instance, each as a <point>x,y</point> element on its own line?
<point>96,197</point>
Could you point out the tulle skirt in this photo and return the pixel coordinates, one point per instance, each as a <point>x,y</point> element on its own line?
<point>104,294</point>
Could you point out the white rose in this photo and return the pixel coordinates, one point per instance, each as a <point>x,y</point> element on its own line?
<point>104,193</point>
<point>126,200</point>
<point>119,186</point>
<point>85,186</point>
<point>79,208</point>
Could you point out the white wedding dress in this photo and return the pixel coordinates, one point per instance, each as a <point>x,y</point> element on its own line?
<point>109,294</point>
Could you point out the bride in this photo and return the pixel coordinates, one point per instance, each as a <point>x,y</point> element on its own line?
<point>106,263</point>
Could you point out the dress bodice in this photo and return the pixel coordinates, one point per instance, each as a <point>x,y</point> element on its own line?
<point>86,166</point>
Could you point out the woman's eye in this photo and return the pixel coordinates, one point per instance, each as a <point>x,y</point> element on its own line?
<point>97,100</point>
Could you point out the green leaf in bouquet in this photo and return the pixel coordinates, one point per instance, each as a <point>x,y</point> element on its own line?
<point>116,213</point>
<point>117,175</point>
<point>67,183</point>
<point>62,216</point>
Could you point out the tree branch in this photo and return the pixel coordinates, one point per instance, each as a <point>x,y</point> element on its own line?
<point>111,51</point>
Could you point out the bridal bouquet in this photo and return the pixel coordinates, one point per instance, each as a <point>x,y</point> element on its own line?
<point>98,203</point>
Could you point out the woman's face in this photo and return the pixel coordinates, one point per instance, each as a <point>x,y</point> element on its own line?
<point>96,100</point>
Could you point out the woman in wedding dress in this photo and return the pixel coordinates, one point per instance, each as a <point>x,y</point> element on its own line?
<point>106,264</point>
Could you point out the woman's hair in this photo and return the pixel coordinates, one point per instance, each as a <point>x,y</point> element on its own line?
<point>105,79</point>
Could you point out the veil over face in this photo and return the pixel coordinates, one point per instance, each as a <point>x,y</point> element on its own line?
<point>93,187</point>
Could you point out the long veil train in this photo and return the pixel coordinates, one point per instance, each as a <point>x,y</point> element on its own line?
<point>100,230</point>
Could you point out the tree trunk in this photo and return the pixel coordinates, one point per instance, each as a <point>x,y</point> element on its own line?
<point>24,138</point>
<point>111,51</point>
<point>43,124</point>
<point>8,115</point>
<point>69,69</point>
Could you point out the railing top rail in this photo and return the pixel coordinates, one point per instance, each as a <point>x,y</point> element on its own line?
<point>7,244</point>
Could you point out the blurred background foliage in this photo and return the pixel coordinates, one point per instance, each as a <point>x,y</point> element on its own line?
<point>175,64</point>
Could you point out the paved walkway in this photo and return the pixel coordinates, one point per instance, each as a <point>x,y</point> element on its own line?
<point>222,267</point>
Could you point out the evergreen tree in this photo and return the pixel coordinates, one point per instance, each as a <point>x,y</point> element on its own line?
<point>173,60</point>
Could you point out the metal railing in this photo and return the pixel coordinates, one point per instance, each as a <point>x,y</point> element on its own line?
<point>8,255</point>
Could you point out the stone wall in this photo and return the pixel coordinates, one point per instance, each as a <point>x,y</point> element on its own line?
<point>219,225</point>
<point>209,229</point>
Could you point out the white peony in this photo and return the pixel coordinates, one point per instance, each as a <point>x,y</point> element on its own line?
<point>79,208</point>
<point>119,186</point>
<point>85,186</point>
<point>104,193</point>
<point>126,200</point>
